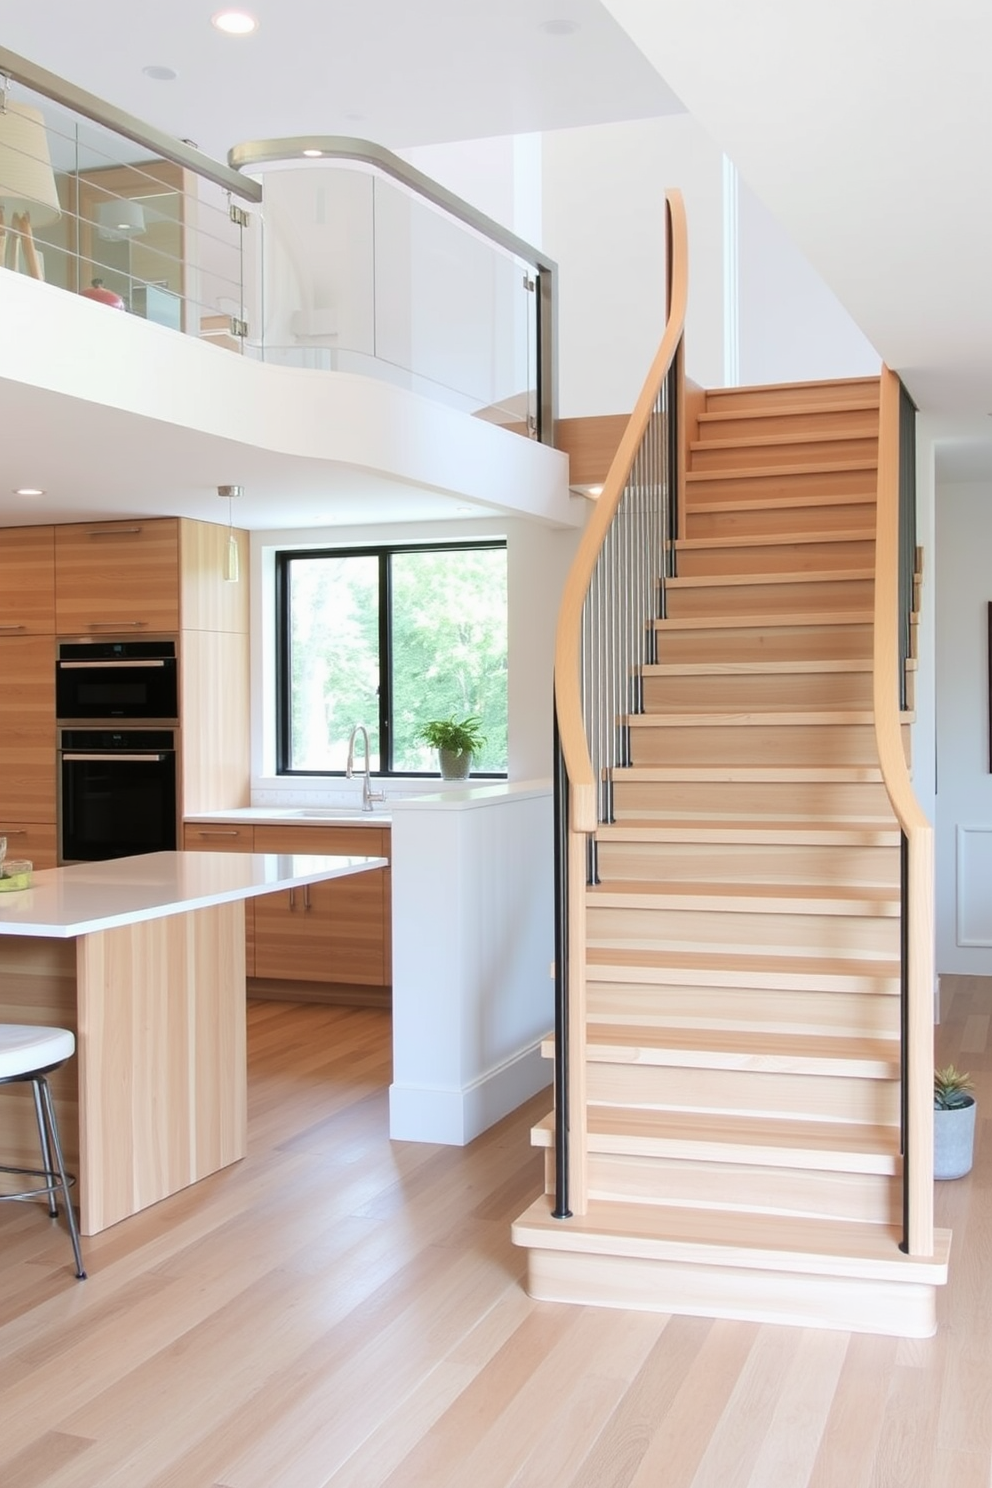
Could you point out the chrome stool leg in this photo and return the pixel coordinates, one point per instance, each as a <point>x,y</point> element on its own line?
<point>46,1149</point>
<point>56,1146</point>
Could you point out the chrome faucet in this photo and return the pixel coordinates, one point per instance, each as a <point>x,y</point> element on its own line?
<point>368,794</point>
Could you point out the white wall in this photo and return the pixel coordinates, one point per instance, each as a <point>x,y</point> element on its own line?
<point>791,327</point>
<point>604,224</point>
<point>538,559</point>
<point>964,784</point>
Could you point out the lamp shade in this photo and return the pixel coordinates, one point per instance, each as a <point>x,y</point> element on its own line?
<point>119,219</point>
<point>27,181</point>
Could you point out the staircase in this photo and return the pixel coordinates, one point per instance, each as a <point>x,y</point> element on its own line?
<point>739,1136</point>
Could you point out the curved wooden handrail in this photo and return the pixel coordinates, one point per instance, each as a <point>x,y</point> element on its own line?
<point>918,936</point>
<point>568,641</point>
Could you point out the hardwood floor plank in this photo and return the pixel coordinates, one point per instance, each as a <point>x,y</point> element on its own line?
<point>342,1311</point>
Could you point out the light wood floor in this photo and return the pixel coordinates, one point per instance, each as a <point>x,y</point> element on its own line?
<point>340,1310</point>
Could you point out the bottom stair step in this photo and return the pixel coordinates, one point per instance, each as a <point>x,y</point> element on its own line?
<point>762,1268</point>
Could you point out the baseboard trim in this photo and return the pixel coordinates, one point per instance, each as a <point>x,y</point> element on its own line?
<point>454,1116</point>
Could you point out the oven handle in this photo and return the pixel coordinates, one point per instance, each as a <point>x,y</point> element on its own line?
<point>102,666</point>
<point>146,758</point>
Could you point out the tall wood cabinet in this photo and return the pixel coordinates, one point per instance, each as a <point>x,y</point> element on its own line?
<point>27,693</point>
<point>161,576</point>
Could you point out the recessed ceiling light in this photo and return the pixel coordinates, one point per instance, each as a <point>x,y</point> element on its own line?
<point>595,490</point>
<point>234,22</point>
<point>28,491</point>
<point>560,26</point>
<point>313,154</point>
<point>161,74</point>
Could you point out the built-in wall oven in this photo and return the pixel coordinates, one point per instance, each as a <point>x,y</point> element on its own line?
<point>117,792</point>
<point>108,680</point>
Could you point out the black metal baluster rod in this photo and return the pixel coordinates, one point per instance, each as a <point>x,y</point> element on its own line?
<point>561,1209</point>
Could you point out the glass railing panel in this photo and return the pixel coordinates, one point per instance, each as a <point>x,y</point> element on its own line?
<point>453,311</point>
<point>310,285</point>
<point>141,233</point>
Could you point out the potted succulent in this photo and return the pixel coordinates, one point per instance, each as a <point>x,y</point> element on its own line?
<point>953,1123</point>
<point>456,740</point>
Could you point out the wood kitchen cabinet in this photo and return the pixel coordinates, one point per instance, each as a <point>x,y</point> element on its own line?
<point>27,739</point>
<point>226,837</point>
<point>335,933</point>
<point>117,577</point>
<point>27,581</point>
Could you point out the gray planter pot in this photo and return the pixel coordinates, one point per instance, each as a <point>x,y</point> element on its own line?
<point>953,1141</point>
<point>454,766</point>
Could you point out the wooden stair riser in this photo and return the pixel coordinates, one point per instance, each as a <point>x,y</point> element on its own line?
<point>803,1096</point>
<point>767,451</point>
<point>794,395</point>
<point>792,692</point>
<point>835,1014</point>
<point>812,595</point>
<point>775,934</point>
<point>781,557</point>
<point>633,1178</point>
<point>697,862</point>
<point>753,423</point>
<point>757,744</point>
<point>741,643</point>
<point>843,483</point>
<point>779,517</point>
<point>804,800</point>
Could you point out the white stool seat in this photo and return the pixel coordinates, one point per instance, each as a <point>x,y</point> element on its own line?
<point>25,1047</point>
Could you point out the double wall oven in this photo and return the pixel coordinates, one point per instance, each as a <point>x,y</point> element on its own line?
<point>117,703</point>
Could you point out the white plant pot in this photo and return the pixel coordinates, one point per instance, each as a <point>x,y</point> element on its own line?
<point>454,766</point>
<point>953,1141</point>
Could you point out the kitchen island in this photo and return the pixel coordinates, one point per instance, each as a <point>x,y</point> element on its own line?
<point>144,959</point>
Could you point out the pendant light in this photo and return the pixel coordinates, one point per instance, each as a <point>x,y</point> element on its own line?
<point>232,562</point>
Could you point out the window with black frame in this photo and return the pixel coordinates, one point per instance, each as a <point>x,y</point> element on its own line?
<point>393,637</point>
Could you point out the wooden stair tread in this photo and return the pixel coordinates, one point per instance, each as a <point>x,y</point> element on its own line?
<point>799,410</point>
<point>796,576</point>
<point>762,441</point>
<point>770,472</point>
<point>752,668</point>
<point>768,1141</point>
<point>734,1049</point>
<point>735,964</point>
<point>750,774</point>
<point>767,898</point>
<point>817,618</point>
<point>754,1241</point>
<point>824,832</point>
<point>776,500</point>
<point>770,540</point>
<point>775,718</point>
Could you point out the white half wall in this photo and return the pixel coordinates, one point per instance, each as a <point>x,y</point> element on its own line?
<point>964,783</point>
<point>473,943</point>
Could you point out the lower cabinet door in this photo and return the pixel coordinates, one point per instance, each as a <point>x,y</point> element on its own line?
<point>334,931</point>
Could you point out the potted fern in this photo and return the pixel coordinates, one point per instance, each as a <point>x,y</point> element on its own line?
<point>456,740</point>
<point>953,1123</point>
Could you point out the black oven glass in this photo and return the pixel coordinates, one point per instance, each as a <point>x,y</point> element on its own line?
<point>118,793</point>
<point>130,680</point>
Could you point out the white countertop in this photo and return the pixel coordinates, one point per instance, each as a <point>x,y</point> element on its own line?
<point>84,897</point>
<point>312,813</point>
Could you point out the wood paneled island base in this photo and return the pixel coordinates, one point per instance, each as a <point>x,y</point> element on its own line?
<point>155,993</point>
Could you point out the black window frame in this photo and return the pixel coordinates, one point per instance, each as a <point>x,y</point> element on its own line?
<point>383,552</point>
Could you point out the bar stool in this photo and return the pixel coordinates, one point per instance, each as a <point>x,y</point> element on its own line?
<point>27,1055</point>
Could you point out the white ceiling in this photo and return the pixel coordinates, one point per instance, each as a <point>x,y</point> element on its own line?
<point>863,125</point>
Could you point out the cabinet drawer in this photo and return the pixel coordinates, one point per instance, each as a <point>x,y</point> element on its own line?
<point>362,842</point>
<point>218,837</point>
<point>121,576</point>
